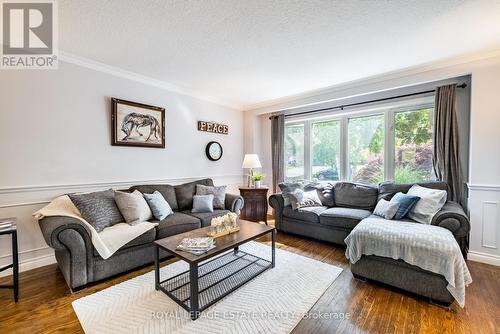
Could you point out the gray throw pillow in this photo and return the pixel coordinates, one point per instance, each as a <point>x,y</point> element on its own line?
<point>218,192</point>
<point>98,208</point>
<point>133,207</point>
<point>326,196</point>
<point>303,199</point>
<point>386,209</point>
<point>203,203</point>
<point>287,188</point>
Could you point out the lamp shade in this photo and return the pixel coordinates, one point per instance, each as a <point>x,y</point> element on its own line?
<point>251,161</point>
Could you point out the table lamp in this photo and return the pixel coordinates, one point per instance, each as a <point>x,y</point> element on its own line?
<point>251,161</point>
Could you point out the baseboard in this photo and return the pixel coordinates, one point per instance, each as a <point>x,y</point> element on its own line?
<point>32,264</point>
<point>483,258</point>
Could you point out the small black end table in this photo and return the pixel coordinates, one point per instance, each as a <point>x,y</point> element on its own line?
<point>15,262</point>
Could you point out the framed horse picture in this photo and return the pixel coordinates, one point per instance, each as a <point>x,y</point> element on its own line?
<point>137,124</point>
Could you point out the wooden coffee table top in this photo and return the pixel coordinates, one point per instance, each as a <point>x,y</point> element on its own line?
<point>248,231</point>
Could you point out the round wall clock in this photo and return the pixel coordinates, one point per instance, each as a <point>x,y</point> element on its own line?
<point>214,151</point>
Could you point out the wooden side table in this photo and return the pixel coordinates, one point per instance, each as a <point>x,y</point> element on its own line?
<point>255,206</point>
<point>15,262</point>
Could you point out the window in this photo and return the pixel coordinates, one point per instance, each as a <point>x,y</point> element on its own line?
<point>392,141</point>
<point>413,146</point>
<point>294,152</point>
<point>325,147</point>
<point>366,149</point>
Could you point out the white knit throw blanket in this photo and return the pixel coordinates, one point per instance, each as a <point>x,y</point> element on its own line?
<point>429,247</point>
<point>106,242</point>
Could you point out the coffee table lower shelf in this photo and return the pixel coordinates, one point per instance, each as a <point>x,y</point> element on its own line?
<point>205,284</point>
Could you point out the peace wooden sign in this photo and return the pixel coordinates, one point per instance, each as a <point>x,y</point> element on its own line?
<point>213,127</point>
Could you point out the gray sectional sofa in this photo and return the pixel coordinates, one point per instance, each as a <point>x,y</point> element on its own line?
<point>345,204</point>
<point>81,264</point>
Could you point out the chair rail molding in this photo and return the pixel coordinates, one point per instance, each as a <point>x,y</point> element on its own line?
<point>490,187</point>
<point>41,194</point>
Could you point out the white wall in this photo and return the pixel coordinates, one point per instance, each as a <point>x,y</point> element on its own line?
<point>55,138</point>
<point>484,172</point>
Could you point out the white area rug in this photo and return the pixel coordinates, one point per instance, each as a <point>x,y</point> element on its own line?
<point>274,302</point>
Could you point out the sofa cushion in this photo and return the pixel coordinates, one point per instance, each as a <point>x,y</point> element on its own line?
<point>386,190</point>
<point>218,192</point>
<point>98,208</point>
<point>166,190</point>
<point>386,209</point>
<point>287,188</point>
<point>146,237</point>
<point>158,204</point>
<point>133,207</point>
<point>405,201</point>
<point>176,223</point>
<point>185,192</point>
<point>203,203</point>
<point>326,194</point>
<point>206,217</point>
<point>355,195</point>
<point>343,217</point>
<point>431,201</point>
<point>307,214</point>
<point>303,199</point>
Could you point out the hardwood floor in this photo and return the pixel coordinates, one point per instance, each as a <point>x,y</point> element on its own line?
<point>358,307</point>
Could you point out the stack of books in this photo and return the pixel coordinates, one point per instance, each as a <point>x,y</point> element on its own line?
<point>6,225</point>
<point>196,246</point>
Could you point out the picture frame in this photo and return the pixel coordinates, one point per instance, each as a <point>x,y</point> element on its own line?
<point>137,124</point>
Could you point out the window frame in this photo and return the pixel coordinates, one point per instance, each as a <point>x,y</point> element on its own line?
<point>388,110</point>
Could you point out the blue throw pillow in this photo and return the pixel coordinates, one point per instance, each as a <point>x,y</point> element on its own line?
<point>203,203</point>
<point>406,202</point>
<point>159,206</point>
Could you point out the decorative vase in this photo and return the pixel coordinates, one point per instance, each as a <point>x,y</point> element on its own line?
<point>257,184</point>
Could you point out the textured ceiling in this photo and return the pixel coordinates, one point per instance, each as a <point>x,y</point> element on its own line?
<point>248,51</point>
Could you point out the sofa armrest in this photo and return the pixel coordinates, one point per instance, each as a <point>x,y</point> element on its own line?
<point>52,227</point>
<point>452,217</point>
<point>73,245</point>
<point>234,203</point>
<point>277,203</point>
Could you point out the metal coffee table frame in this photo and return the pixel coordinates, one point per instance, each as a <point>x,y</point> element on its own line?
<point>202,277</point>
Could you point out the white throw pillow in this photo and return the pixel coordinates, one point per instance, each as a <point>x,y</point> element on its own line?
<point>302,199</point>
<point>431,201</point>
<point>133,207</point>
<point>386,209</point>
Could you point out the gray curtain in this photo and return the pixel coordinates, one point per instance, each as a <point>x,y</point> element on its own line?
<point>446,157</point>
<point>277,149</point>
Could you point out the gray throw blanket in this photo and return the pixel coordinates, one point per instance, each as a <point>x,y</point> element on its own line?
<point>429,247</point>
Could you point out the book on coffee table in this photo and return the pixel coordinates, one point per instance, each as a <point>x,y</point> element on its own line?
<point>196,246</point>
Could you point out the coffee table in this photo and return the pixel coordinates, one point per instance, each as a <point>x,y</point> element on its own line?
<point>216,273</point>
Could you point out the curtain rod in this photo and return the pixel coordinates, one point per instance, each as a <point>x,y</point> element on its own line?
<point>341,107</point>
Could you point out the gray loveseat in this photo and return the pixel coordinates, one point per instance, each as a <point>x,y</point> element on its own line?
<point>345,204</point>
<point>81,264</point>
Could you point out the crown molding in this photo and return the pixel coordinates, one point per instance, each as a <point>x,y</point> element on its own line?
<point>125,74</point>
<point>269,105</point>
